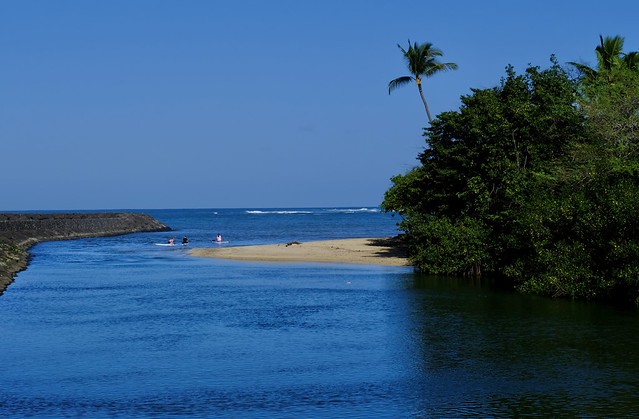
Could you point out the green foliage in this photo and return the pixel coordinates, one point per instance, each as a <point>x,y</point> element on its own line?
<point>422,61</point>
<point>479,162</point>
<point>610,59</point>
<point>535,181</point>
<point>443,246</point>
<point>584,241</point>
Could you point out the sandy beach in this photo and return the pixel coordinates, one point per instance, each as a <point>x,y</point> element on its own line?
<point>373,251</point>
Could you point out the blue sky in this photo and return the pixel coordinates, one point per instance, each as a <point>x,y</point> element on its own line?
<point>212,104</point>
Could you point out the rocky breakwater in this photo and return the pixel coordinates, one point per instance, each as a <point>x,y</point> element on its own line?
<point>18,232</point>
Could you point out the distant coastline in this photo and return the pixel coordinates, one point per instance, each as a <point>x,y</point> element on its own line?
<point>20,231</point>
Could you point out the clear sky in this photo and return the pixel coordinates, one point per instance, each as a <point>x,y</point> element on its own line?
<point>124,104</point>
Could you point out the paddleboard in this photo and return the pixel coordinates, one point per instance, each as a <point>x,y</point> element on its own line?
<point>219,242</point>
<point>164,244</point>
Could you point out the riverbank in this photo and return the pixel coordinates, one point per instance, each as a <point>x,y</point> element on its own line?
<point>373,251</point>
<point>18,232</point>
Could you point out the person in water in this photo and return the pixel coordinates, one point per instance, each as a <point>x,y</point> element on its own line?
<point>185,241</point>
<point>171,240</point>
<point>218,238</point>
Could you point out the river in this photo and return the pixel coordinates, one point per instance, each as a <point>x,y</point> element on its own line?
<point>119,327</point>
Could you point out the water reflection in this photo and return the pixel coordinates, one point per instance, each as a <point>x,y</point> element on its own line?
<point>491,351</point>
<point>178,336</point>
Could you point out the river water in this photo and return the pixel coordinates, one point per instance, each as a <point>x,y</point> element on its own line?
<point>120,327</point>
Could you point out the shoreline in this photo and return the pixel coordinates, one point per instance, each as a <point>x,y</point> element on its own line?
<point>20,231</point>
<point>386,251</point>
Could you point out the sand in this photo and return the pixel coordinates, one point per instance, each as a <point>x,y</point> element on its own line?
<point>373,251</point>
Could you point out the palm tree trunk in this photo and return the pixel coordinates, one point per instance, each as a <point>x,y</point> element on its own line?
<point>421,93</point>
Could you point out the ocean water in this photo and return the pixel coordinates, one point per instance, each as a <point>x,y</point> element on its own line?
<point>120,327</point>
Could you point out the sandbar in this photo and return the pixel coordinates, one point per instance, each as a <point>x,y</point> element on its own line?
<point>373,251</point>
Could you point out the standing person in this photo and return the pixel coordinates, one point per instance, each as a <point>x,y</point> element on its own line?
<point>185,241</point>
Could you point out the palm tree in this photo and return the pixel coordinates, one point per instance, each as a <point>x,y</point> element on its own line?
<point>422,60</point>
<point>609,52</point>
<point>631,60</point>
<point>610,56</point>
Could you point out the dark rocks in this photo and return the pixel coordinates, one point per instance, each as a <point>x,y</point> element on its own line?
<point>18,232</point>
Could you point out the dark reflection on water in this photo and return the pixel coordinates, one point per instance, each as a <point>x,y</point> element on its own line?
<point>493,352</point>
<point>157,333</point>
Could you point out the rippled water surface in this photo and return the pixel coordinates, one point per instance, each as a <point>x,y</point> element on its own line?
<point>121,327</point>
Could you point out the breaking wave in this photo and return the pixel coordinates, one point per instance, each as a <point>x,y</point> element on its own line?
<point>279,212</point>
<point>315,211</point>
<point>355,210</point>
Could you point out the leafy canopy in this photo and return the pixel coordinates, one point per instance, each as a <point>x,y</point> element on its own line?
<point>535,181</point>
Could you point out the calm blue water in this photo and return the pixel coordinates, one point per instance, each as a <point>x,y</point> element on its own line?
<point>119,327</point>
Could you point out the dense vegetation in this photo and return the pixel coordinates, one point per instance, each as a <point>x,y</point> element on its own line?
<point>535,181</point>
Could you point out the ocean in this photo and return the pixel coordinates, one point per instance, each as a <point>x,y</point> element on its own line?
<point>120,327</point>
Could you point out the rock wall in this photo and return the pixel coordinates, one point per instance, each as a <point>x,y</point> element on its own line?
<point>18,232</point>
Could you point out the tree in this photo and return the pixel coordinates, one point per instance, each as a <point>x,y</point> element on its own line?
<point>535,181</point>
<point>610,57</point>
<point>461,207</point>
<point>422,60</point>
